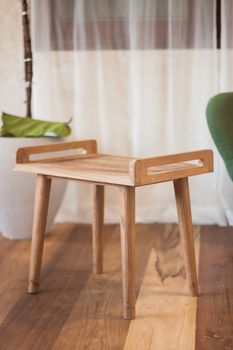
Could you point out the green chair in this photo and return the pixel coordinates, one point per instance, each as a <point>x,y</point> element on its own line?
<point>219,115</point>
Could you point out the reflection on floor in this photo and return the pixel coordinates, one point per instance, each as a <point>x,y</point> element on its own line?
<point>78,310</point>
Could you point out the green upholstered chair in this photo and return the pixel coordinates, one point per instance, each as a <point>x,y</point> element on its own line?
<point>219,115</point>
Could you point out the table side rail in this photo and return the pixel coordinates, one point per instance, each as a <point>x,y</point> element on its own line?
<point>23,154</point>
<point>142,166</point>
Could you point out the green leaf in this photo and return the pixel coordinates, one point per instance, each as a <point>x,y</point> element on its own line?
<point>15,126</point>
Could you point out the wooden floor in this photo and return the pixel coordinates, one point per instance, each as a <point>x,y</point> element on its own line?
<point>78,310</point>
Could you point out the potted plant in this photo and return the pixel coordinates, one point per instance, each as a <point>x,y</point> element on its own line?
<point>17,190</point>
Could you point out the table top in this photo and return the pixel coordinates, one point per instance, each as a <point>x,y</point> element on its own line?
<point>110,169</point>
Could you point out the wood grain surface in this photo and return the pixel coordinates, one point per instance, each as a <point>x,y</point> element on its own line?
<point>97,227</point>
<point>215,304</point>
<point>166,315</point>
<point>43,185</point>
<point>127,225</point>
<point>186,232</point>
<point>112,169</point>
<point>79,310</point>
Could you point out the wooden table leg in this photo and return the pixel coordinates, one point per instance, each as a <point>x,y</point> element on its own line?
<point>128,250</point>
<point>97,227</point>
<point>38,231</point>
<point>186,231</point>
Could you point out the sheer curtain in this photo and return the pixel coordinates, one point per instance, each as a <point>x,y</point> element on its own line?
<point>136,75</point>
<point>11,62</point>
<point>224,183</point>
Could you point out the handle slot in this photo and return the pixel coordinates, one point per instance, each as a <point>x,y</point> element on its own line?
<point>56,152</point>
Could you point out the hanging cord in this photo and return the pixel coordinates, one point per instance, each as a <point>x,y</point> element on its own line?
<point>28,58</point>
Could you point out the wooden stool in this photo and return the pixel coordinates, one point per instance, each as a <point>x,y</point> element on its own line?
<point>125,173</point>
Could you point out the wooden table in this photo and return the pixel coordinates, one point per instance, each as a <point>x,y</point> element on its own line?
<point>126,173</point>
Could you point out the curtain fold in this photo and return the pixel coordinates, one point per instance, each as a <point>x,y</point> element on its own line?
<point>136,75</point>
<point>224,183</point>
<point>11,61</point>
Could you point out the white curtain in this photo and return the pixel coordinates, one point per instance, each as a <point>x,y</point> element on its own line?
<point>136,75</point>
<point>11,62</point>
<point>224,183</point>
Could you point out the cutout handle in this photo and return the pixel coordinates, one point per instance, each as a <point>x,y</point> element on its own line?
<point>170,167</point>
<point>78,148</point>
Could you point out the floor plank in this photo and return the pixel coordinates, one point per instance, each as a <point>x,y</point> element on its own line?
<point>166,316</point>
<point>78,310</point>
<point>95,321</point>
<point>215,303</point>
<point>30,319</point>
